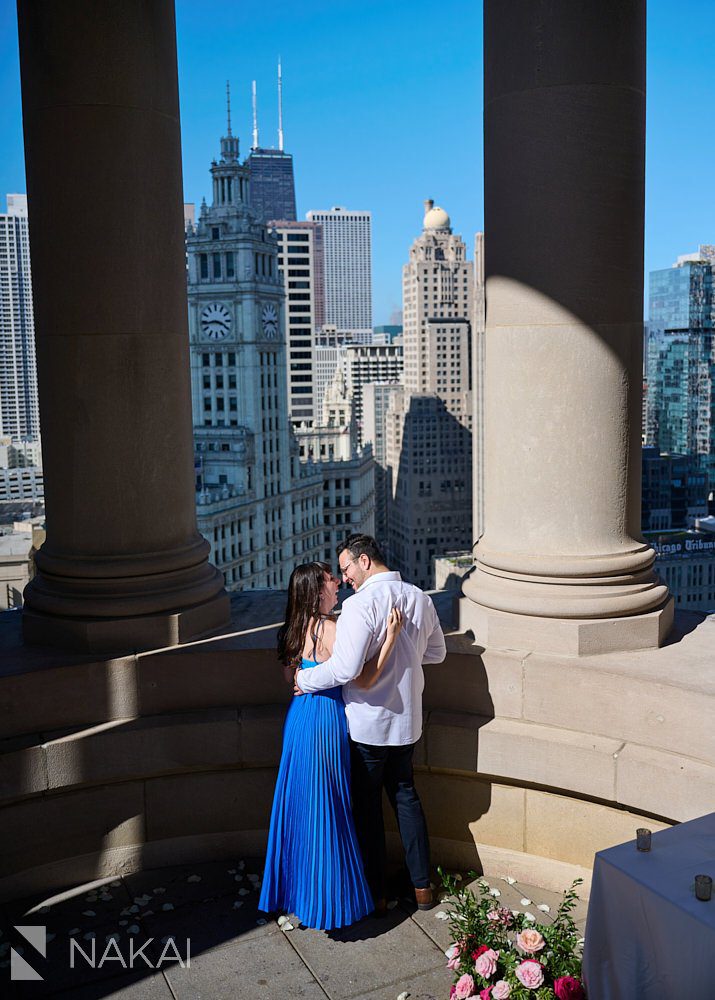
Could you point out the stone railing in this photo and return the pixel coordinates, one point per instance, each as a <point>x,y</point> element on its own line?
<point>528,763</point>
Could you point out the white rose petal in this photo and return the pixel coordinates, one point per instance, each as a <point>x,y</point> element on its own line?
<point>133,929</point>
<point>113,937</point>
<point>530,917</point>
<point>392,904</point>
<point>116,882</point>
<point>509,880</point>
<point>167,906</point>
<point>403,996</point>
<point>159,890</point>
<point>238,904</point>
<point>134,908</point>
<point>123,923</point>
<point>441,915</point>
<point>88,913</point>
<point>142,900</point>
<point>515,913</point>
<point>457,878</point>
<point>238,878</point>
<point>243,892</point>
<point>241,865</point>
<point>88,936</point>
<point>75,930</point>
<point>287,926</point>
<point>168,937</point>
<point>147,913</point>
<point>194,878</point>
<point>252,878</point>
<point>495,893</point>
<point>106,896</point>
<point>544,907</point>
<point>525,901</point>
<point>91,897</point>
<point>231,871</point>
<point>282,920</point>
<point>261,922</point>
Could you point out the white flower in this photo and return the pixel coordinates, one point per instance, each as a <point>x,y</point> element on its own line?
<point>495,893</point>
<point>544,907</point>
<point>451,951</point>
<point>509,880</point>
<point>530,917</point>
<point>515,913</point>
<point>525,901</point>
<point>287,926</point>
<point>441,915</point>
<point>403,996</point>
<point>282,920</point>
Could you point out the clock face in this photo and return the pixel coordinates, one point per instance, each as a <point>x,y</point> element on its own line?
<point>215,321</point>
<point>269,319</point>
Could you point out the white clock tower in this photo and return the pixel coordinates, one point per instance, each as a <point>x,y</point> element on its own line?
<point>238,375</point>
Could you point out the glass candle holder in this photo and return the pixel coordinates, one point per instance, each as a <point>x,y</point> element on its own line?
<point>703,887</point>
<point>643,839</point>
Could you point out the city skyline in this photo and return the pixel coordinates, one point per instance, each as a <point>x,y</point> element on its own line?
<point>376,100</point>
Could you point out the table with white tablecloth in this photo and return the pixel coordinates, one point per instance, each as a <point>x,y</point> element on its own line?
<point>647,936</point>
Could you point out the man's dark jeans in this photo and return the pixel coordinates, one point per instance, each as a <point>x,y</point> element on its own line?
<point>390,767</point>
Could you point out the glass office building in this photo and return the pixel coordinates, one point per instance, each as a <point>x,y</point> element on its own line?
<point>272,185</point>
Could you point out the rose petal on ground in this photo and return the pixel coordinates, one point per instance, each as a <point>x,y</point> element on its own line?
<point>75,930</point>
<point>261,922</point>
<point>167,906</point>
<point>287,926</point>
<point>123,923</point>
<point>441,915</point>
<point>509,880</point>
<point>530,917</point>
<point>392,904</point>
<point>89,935</point>
<point>238,904</point>
<point>133,929</point>
<point>231,871</point>
<point>243,892</point>
<point>403,996</point>
<point>113,937</point>
<point>88,913</point>
<point>544,907</point>
<point>495,893</point>
<point>525,901</point>
<point>159,890</point>
<point>116,882</point>
<point>167,937</point>
<point>194,878</point>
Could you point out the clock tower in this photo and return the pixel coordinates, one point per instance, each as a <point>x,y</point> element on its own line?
<point>238,379</point>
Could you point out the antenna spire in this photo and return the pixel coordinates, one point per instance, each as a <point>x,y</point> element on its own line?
<point>280,106</point>
<point>228,106</point>
<point>255,116</point>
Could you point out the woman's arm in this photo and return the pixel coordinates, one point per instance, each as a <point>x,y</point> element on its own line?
<point>372,668</point>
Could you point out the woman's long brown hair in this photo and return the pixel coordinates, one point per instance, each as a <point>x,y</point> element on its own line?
<point>304,589</point>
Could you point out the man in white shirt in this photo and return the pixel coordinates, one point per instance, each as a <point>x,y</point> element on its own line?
<point>385,720</point>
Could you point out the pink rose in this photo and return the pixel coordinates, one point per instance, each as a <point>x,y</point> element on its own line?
<point>486,964</point>
<point>530,974</point>
<point>452,991</point>
<point>479,951</point>
<point>454,956</point>
<point>486,993</point>
<point>464,988</point>
<point>530,940</point>
<point>569,988</point>
<point>501,990</point>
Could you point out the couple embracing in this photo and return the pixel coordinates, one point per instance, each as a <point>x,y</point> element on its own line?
<point>350,731</point>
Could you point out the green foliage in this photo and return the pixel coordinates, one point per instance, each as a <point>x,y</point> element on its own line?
<point>477,920</point>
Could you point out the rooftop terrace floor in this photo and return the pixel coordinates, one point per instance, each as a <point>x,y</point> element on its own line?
<point>233,954</point>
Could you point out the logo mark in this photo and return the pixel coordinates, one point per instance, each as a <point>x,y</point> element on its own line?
<point>20,970</point>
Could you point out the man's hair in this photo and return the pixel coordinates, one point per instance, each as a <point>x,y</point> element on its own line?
<point>358,545</point>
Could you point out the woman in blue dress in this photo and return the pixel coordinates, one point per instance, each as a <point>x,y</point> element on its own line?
<point>313,864</point>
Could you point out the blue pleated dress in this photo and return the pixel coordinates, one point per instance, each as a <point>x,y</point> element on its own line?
<point>313,864</point>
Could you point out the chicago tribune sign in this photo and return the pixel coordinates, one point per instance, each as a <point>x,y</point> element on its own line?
<point>684,546</point>
<point>22,970</point>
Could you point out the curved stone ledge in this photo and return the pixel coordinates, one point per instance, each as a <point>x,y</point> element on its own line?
<point>171,756</point>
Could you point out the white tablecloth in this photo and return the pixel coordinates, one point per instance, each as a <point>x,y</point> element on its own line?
<point>647,936</point>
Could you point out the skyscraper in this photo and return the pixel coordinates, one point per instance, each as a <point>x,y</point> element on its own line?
<point>428,439</point>
<point>19,412</point>
<point>347,250</point>
<point>244,451</point>
<point>271,170</point>
<point>300,263</point>
<point>680,415</point>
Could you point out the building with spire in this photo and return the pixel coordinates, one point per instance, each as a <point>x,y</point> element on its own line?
<point>428,435</point>
<point>255,501</point>
<point>271,170</point>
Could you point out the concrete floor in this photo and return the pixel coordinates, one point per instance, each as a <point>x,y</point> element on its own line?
<point>233,952</point>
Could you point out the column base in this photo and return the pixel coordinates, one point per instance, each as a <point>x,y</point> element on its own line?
<point>122,635</point>
<point>566,636</point>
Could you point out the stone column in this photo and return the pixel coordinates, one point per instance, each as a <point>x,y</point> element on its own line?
<point>562,567</point>
<point>123,565</point>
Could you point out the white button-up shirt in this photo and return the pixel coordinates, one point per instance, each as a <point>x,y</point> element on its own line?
<point>390,712</point>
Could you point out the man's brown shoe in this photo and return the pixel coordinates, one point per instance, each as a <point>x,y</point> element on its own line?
<point>425,899</point>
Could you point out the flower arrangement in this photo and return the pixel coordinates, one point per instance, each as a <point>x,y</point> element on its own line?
<point>500,954</point>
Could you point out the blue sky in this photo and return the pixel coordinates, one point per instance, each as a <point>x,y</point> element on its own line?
<point>382,109</point>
